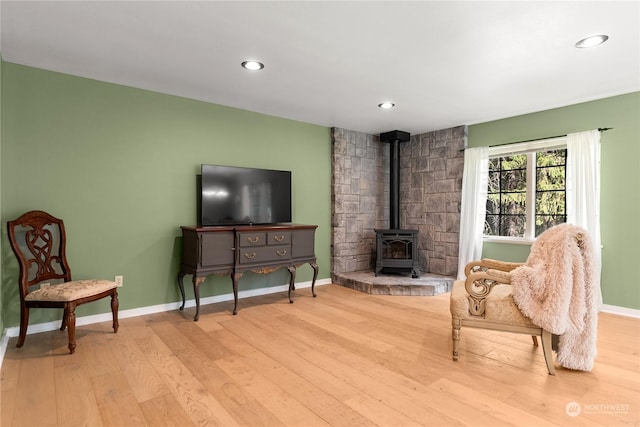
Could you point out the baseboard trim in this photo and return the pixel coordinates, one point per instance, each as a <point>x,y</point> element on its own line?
<point>142,311</point>
<point>621,311</point>
<point>3,346</point>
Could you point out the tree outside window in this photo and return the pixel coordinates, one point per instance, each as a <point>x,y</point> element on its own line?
<point>526,193</point>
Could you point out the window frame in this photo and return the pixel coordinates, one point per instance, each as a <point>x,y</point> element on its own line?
<point>530,148</point>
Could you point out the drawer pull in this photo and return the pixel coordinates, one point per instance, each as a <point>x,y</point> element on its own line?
<point>282,252</point>
<point>279,238</point>
<point>253,239</point>
<point>247,256</point>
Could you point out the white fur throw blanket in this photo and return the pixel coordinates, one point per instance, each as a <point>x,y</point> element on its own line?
<point>556,289</point>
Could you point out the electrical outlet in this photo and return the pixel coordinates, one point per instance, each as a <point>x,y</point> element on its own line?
<point>119,280</point>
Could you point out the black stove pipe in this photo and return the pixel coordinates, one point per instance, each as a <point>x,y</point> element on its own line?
<point>394,138</point>
<point>394,185</point>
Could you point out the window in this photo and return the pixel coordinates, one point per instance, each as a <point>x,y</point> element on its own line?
<point>526,192</point>
<point>551,196</point>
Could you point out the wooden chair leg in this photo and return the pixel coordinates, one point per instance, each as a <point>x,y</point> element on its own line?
<point>455,335</point>
<point>114,310</point>
<point>555,341</point>
<point>24,322</point>
<point>548,352</point>
<point>71,327</point>
<point>64,320</point>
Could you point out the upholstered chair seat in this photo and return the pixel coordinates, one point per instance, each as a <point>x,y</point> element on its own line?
<point>70,291</point>
<point>499,306</point>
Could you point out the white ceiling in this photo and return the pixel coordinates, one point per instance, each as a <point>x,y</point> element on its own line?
<point>330,63</point>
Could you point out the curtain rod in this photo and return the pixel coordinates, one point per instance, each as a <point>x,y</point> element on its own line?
<point>540,139</point>
<point>548,137</point>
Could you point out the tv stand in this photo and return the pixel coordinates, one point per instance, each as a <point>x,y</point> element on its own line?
<point>233,250</point>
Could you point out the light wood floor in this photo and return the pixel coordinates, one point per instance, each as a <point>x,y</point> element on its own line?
<point>341,359</point>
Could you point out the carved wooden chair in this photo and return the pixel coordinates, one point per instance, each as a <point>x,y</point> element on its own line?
<point>485,300</point>
<point>38,241</point>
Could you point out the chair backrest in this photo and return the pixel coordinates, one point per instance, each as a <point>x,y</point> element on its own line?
<point>38,241</point>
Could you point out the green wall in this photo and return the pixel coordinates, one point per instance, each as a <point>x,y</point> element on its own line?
<point>1,215</point>
<point>119,165</point>
<point>620,182</point>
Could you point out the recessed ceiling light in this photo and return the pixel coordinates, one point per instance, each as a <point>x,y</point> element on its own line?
<point>386,105</point>
<point>592,41</point>
<point>253,65</point>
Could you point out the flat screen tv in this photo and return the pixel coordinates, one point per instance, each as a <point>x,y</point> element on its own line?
<point>233,195</point>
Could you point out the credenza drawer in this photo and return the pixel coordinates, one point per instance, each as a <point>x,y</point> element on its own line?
<point>252,239</point>
<point>277,253</point>
<point>278,238</point>
<point>262,239</point>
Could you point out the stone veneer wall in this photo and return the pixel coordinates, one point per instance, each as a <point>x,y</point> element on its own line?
<point>431,167</point>
<point>357,199</point>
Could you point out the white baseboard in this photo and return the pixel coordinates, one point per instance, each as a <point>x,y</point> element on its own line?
<point>141,311</point>
<point>3,346</point>
<point>621,311</point>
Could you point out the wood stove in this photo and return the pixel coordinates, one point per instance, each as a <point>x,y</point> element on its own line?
<point>396,249</point>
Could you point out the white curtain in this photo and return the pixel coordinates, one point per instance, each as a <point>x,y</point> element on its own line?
<point>583,189</point>
<point>473,205</point>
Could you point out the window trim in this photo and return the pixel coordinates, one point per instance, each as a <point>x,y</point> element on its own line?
<point>529,148</point>
<point>508,239</point>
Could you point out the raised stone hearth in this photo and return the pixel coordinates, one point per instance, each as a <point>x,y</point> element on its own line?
<point>394,284</point>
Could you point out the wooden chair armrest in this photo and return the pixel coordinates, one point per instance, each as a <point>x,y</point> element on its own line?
<point>487,264</point>
<point>479,284</point>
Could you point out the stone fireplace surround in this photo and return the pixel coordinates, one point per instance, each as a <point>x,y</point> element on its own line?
<point>431,166</point>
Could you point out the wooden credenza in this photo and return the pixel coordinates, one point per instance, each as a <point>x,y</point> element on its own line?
<point>232,250</point>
